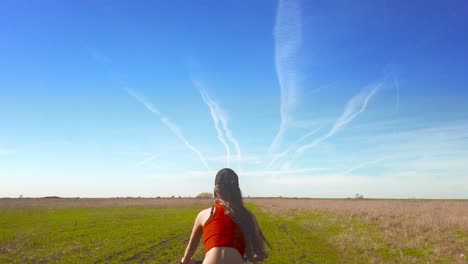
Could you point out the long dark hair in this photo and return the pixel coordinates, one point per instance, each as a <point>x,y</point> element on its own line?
<point>228,193</point>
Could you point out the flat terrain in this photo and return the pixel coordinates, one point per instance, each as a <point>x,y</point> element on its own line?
<point>132,230</point>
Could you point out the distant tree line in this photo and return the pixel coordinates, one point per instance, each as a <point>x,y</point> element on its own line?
<point>205,195</point>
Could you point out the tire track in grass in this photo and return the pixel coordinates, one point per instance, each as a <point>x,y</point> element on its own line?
<point>303,255</point>
<point>23,243</point>
<point>284,228</point>
<point>156,247</point>
<point>165,238</point>
<point>149,251</point>
<point>114,256</point>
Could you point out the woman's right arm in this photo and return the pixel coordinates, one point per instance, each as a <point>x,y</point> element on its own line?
<point>197,232</point>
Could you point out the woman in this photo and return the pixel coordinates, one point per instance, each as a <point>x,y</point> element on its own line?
<point>230,231</point>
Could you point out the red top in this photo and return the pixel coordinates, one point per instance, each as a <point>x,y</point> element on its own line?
<point>221,231</point>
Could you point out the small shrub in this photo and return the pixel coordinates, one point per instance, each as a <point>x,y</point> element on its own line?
<point>205,195</point>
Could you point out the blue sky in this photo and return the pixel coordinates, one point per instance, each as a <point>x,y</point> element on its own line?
<point>301,98</point>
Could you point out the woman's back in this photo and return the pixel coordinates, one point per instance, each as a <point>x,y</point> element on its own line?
<point>225,255</point>
<point>221,231</point>
<point>233,228</point>
<point>217,231</point>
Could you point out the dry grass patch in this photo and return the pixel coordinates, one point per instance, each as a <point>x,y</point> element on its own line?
<point>412,231</point>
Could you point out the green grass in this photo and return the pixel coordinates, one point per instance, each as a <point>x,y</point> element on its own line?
<point>292,240</point>
<point>95,235</point>
<point>318,237</point>
<point>160,235</point>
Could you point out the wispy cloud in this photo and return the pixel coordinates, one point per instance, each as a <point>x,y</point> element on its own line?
<point>449,138</point>
<point>252,159</point>
<point>317,180</point>
<point>287,38</point>
<point>286,173</point>
<point>216,121</point>
<point>220,124</point>
<point>364,165</point>
<point>256,173</point>
<point>355,106</point>
<point>133,153</point>
<point>148,159</point>
<point>399,185</point>
<point>168,123</point>
<point>280,155</point>
<point>396,84</point>
<point>144,101</point>
<point>179,134</point>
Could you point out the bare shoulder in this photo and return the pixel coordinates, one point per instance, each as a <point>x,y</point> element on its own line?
<point>203,216</point>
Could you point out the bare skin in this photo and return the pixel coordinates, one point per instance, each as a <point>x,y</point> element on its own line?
<point>216,255</point>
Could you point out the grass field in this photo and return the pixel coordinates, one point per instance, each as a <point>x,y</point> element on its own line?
<point>300,230</point>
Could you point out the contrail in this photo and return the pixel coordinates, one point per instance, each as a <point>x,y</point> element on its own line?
<point>356,105</point>
<point>149,159</point>
<point>174,129</point>
<point>397,88</point>
<point>284,153</point>
<point>220,118</point>
<point>216,121</point>
<point>179,134</point>
<point>287,37</point>
<point>233,141</point>
<point>144,101</point>
<point>363,165</point>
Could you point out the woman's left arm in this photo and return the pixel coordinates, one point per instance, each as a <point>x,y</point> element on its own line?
<point>197,232</point>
